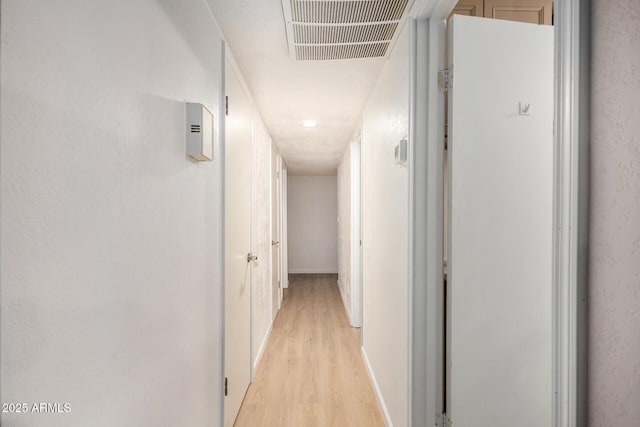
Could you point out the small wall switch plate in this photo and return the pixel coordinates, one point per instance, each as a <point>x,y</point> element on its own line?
<point>524,109</point>
<point>199,132</point>
<point>401,152</point>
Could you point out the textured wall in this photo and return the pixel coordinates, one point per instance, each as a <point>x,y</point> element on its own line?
<point>261,238</point>
<point>614,304</point>
<point>312,224</point>
<point>108,258</point>
<point>344,228</point>
<point>385,239</point>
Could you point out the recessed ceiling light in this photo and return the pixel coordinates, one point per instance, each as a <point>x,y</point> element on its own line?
<point>309,123</point>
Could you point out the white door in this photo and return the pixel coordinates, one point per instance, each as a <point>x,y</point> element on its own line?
<point>275,236</point>
<point>500,218</point>
<point>238,164</point>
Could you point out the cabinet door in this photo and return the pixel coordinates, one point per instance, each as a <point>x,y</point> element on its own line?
<point>530,11</point>
<point>468,8</point>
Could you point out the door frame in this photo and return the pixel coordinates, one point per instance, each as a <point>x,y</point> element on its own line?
<point>284,256</point>
<point>571,168</point>
<point>219,261</point>
<point>279,229</point>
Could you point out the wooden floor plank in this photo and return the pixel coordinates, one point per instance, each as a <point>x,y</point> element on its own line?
<point>311,373</point>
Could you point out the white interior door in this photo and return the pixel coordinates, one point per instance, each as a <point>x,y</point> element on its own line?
<point>275,235</point>
<point>238,166</point>
<point>500,218</point>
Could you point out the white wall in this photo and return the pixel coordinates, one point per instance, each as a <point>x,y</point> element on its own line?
<point>344,228</point>
<point>110,291</point>
<point>312,224</point>
<point>349,232</point>
<point>385,189</point>
<point>614,273</point>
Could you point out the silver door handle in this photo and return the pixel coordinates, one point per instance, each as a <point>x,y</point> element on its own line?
<point>274,243</point>
<point>251,257</point>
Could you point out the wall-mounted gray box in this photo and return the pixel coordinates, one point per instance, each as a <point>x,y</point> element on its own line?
<point>199,132</point>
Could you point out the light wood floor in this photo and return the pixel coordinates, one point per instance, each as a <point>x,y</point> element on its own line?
<point>311,373</point>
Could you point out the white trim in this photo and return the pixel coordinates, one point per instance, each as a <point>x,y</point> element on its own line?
<point>284,233</point>
<point>279,221</point>
<point>426,208</point>
<point>220,227</point>
<point>263,346</point>
<point>426,157</point>
<point>415,239</point>
<point>312,270</point>
<point>570,206</point>
<point>376,389</point>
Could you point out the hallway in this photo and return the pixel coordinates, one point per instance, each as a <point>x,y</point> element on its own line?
<point>170,169</point>
<point>311,373</point>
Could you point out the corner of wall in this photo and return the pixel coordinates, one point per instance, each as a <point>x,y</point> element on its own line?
<point>342,285</point>
<point>376,389</point>
<point>263,346</point>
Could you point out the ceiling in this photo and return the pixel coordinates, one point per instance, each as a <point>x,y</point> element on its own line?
<point>287,92</point>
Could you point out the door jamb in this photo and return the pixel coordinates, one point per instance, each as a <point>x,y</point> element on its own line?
<point>571,186</point>
<point>279,181</point>
<point>284,258</point>
<point>426,151</point>
<point>219,263</point>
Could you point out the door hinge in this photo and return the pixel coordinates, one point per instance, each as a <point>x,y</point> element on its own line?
<point>226,105</point>
<point>226,386</point>
<point>445,79</point>
<point>443,420</point>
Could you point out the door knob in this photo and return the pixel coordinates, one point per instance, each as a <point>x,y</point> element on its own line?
<point>251,257</point>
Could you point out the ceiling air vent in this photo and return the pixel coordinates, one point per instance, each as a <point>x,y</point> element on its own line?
<point>321,30</point>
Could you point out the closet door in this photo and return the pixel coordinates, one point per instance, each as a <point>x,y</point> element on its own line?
<point>530,11</point>
<point>500,224</point>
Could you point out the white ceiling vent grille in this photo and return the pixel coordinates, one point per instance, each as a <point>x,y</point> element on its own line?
<point>321,30</point>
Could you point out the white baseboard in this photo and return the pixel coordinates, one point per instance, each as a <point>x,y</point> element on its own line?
<point>312,271</point>
<point>263,346</point>
<point>376,389</point>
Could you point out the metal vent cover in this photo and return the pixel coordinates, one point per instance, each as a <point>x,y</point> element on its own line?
<point>322,30</point>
